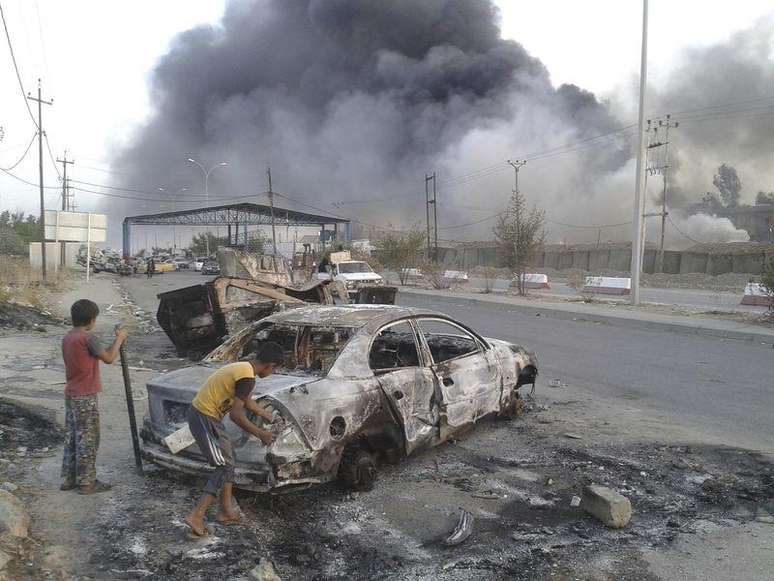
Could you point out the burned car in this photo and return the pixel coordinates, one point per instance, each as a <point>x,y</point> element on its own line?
<point>360,384</point>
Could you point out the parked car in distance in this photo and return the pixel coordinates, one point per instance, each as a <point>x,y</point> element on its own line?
<point>197,263</point>
<point>360,383</point>
<point>181,263</point>
<point>211,267</point>
<point>162,266</point>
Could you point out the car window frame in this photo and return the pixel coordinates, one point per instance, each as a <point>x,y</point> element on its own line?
<point>424,359</point>
<point>481,345</point>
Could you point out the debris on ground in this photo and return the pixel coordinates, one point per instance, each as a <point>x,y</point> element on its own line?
<point>462,531</point>
<point>14,520</point>
<point>606,505</point>
<point>265,571</point>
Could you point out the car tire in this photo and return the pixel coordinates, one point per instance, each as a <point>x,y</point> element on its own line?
<point>357,469</point>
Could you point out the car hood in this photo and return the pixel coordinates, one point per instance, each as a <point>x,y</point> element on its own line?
<point>183,384</point>
<point>360,276</point>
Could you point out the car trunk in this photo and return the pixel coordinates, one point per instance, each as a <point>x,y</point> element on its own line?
<point>170,396</point>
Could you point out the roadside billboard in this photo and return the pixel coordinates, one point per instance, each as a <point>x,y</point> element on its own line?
<point>75,226</point>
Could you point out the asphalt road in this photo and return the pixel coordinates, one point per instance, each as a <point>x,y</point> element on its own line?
<point>724,388</point>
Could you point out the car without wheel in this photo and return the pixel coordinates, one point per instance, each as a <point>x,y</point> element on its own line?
<point>360,384</point>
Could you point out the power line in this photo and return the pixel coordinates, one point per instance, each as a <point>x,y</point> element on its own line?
<point>17,178</point>
<point>16,67</point>
<point>23,155</point>
<point>51,155</point>
<point>683,233</point>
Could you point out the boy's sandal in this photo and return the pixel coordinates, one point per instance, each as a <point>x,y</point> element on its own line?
<point>95,488</point>
<point>68,485</point>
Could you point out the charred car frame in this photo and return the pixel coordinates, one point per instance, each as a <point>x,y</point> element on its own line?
<point>360,384</point>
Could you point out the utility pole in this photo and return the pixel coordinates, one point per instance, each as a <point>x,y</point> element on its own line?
<point>660,165</point>
<point>271,205</point>
<point>41,102</point>
<point>517,164</point>
<point>66,206</point>
<point>639,185</point>
<point>432,231</point>
<point>65,203</point>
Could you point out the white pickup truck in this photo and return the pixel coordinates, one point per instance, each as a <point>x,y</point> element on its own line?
<point>353,273</point>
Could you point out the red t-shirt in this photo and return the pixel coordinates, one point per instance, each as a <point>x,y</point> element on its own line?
<point>79,350</point>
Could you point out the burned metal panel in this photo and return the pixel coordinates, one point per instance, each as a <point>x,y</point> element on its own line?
<point>376,295</point>
<point>411,391</point>
<point>190,318</point>
<point>260,267</point>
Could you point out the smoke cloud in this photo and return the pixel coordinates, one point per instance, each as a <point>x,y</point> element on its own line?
<point>352,103</point>
<point>355,102</point>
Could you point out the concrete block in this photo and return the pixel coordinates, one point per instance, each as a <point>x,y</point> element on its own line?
<point>607,506</point>
<point>14,519</point>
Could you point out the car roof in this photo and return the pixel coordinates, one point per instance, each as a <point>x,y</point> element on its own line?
<point>355,316</point>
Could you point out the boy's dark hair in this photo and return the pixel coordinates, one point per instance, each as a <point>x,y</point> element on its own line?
<point>270,352</point>
<point>83,312</point>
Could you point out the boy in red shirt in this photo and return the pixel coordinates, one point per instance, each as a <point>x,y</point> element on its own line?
<point>82,352</point>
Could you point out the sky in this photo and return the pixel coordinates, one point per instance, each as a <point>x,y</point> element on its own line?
<point>95,57</point>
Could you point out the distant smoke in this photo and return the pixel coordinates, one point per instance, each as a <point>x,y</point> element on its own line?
<point>703,228</point>
<point>354,102</point>
<point>727,93</point>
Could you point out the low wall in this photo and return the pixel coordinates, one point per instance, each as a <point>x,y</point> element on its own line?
<point>616,258</point>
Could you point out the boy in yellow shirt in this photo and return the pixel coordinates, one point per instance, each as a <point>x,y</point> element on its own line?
<point>227,391</point>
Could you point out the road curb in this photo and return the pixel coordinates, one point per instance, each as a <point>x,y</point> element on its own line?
<point>616,320</point>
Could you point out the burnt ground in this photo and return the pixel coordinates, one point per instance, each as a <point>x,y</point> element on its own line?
<point>516,478</point>
<point>525,527</point>
<point>23,318</point>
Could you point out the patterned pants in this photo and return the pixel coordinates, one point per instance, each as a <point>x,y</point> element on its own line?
<point>80,452</point>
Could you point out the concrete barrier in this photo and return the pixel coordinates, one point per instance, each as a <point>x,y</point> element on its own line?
<point>607,285</point>
<point>456,275</point>
<point>755,294</point>
<point>533,281</point>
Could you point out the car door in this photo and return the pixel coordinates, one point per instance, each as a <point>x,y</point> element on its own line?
<point>466,370</point>
<point>407,381</point>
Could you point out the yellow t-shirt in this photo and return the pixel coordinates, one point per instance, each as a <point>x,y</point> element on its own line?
<point>216,397</point>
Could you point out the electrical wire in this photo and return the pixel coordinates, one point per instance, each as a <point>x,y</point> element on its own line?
<point>17,178</point>
<point>51,155</point>
<point>16,67</point>
<point>23,155</point>
<point>683,233</point>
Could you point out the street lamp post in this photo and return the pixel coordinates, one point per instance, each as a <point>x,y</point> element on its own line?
<point>206,172</point>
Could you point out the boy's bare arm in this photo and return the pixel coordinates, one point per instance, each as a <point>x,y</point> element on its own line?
<point>239,417</point>
<point>252,406</point>
<point>111,353</point>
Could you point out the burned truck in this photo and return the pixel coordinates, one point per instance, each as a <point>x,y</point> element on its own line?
<point>359,384</point>
<point>198,317</point>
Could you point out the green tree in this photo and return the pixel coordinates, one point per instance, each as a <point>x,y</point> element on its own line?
<point>199,243</point>
<point>519,233</point>
<point>764,198</point>
<point>728,184</point>
<point>400,251</point>
<point>11,242</point>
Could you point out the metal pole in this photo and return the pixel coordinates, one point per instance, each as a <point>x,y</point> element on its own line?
<point>207,203</point>
<point>130,407</point>
<point>435,218</point>
<point>427,210</point>
<point>639,186</point>
<point>271,204</point>
<point>88,246</point>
